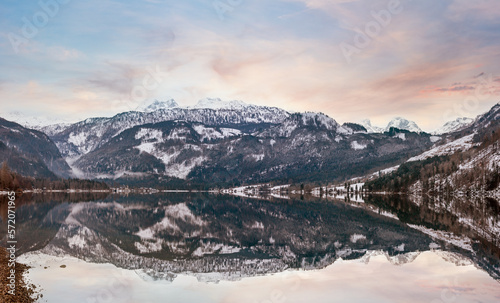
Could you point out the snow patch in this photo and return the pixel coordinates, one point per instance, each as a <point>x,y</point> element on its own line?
<point>461,144</point>
<point>357,237</point>
<point>401,136</point>
<point>358,146</point>
<point>434,139</point>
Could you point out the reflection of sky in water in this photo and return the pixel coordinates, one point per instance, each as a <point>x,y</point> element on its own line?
<point>429,278</point>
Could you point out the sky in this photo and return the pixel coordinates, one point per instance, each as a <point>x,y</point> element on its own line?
<point>429,61</point>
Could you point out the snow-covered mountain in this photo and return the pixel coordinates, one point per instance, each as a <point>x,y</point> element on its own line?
<point>226,141</point>
<point>308,119</point>
<point>157,105</point>
<point>463,161</point>
<point>403,123</point>
<point>32,122</point>
<point>371,128</point>
<point>217,103</point>
<point>398,122</point>
<point>304,146</point>
<point>85,136</point>
<point>231,141</point>
<point>455,125</point>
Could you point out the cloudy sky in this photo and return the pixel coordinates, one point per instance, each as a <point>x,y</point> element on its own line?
<point>429,61</point>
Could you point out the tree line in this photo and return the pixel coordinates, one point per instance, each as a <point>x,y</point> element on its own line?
<point>446,174</point>
<point>10,180</point>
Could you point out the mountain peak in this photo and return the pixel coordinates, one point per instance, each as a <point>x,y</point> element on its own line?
<point>217,103</point>
<point>157,105</point>
<point>402,123</point>
<point>455,125</point>
<point>367,124</point>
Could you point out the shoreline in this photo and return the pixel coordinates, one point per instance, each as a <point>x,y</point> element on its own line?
<point>24,291</point>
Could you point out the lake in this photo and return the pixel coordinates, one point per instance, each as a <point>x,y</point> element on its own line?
<point>222,248</point>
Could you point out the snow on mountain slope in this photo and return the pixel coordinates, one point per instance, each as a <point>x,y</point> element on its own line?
<point>157,105</point>
<point>171,148</point>
<point>357,146</point>
<point>319,120</point>
<point>217,103</point>
<point>405,124</point>
<point>452,126</point>
<point>51,130</point>
<point>371,128</point>
<point>300,121</point>
<point>32,122</point>
<point>461,144</point>
<point>85,136</point>
<point>486,119</point>
<point>489,156</point>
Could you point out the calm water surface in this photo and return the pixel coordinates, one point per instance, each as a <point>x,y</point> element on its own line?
<point>207,248</point>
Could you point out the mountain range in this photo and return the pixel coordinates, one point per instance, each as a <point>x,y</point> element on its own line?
<point>466,161</point>
<point>218,142</point>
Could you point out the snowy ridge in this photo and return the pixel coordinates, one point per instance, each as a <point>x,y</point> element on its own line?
<point>217,103</point>
<point>459,241</point>
<point>402,123</point>
<point>452,126</point>
<point>398,122</point>
<point>461,144</point>
<point>371,128</point>
<point>158,105</point>
<point>85,136</point>
<point>299,121</point>
<point>33,122</point>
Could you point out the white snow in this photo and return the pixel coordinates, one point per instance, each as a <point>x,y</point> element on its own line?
<point>258,157</point>
<point>148,246</point>
<point>172,214</point>
<point>179,134</point>
<point>401,136</point>
<point>149,134</point>
<point>77,241</point>
<point>230,132</point>
<point>158,105</point>
<point>434,139</point>
<point>207,133</point>
<point>217,103</point>
<point>459,241</point>
<point>151,138</point>
<point>358,146</point>
<point>77,139</point>
<point>400,248</point>
<point>212,248</point>
<point>319,120</point>
<point>461,144</point>
<point>357,237</point>
<point>455,125</point>
<point>257,225</point>
<point>370,128</point>
<point>182,170</point>
<point>402,123</point>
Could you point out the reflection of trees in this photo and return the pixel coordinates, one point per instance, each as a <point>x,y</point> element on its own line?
<point>476,218</point>
<point>36,218</point>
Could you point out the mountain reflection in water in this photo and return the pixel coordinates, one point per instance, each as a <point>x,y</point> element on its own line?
<point>222,237</point>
